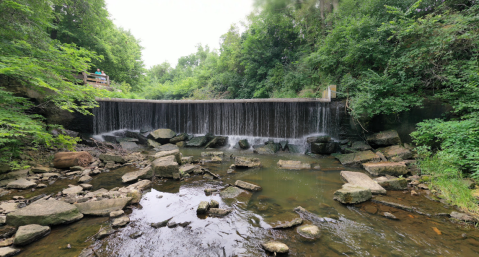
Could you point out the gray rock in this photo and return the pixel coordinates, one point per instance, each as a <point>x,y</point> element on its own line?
<point>203,207</point>
<point>214,204</point>
<point>290,224</point>
<point>218,211</point>
<point>3,220</point>
<point>294,148</point>
<point>103,207</point>
<point>45,212</point>
<point>362,180</point>
<point>324,148</point>
<point>129,145</point>
<point>211,154</point>
<point>162,135</point>
<point>266,149</point>
<point>197,142</point>
<point>247,186</point>
<point>243,144</point>
<point>351,194</point>
<point>167,147</point>
<point>246,162</point>
<point>104,232</point>
<point>360,146</point>
<point>392,183</point>
<point>186,159</point>
<point>386,168</point>
<point>217,141</point>
<point>153,144</point>
<point>84,179</point>
<point>8,251</point>
<point>462,216</point>
<point>357,158</point>
<point>14,175</point>
<point>180,137</point>
<point>308,231</point>
<point>112,158</point>
<point>50,175</point>
<point>21,184</point>
<point>115,214</point>
<point>72,190</point>
<point>172,224</point>
<point>293,165</point>
<point>135,175</point>
<point>275,247</point>
<point>40,169</point>
<point>86,186</point>
<point>396,151</point>
<point>384,138</point>
<point>174,152</point>
<point>166,167</point>
<point>188,169</point>
<point>120,222</point>
<point>30,233</point>
<point>9,207</point>
<point>209,191</point>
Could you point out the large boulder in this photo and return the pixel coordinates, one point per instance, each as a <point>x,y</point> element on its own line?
<point>275,247</point>
<point>324,148</point>
<point>247,186</point>
<point>357,158</point>
<point>386,168</point>
<point>293,165</point>
<point>162,136</point>
<point>295,148</point>
<point>175,152</point>
<point>179,138</point>
<point>247,162</point>
<point>362,180</point>
<point>103,207</point>
<point>153,144</point>
<point>45,212</point>
<point>396,151</point>
<point>197,141</point>
<point>243,144</point>
<point>30,233</point>
<point>166,167</point>
<point>318,139</point>
<point>384,138</point>
<point>351,194</point>
<point>21,184</point>
<point>217,141</point>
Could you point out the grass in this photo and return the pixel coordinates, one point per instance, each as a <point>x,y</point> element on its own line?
<point>448,180</point>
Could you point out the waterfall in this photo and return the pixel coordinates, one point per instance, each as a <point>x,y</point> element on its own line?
<point>252,119</point>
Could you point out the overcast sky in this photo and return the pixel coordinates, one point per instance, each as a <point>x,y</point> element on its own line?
<point>169,29</point>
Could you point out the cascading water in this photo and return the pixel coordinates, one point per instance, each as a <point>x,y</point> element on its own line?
<point>291,120</point>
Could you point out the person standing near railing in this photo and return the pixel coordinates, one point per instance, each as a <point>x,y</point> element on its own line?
<point>103,77</point>
<point>98,72</point>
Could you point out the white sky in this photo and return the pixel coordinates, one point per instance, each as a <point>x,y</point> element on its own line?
<point>169,29</point>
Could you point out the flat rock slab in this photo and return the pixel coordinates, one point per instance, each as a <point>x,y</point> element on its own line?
<point>30,233</point>
<point>188,168</point>
<point>289,224</point>
<point>392,183</point>
<point>72,190</point>
<point>40,169</point>
<point>246,162</point>
<point>21,184</point>
<point>103,207</point>
<point>357,158</point>
<point>175,152</point>
<point>362,180</point>
<point>134,175</point>
<point>275,247</point>
<point>351,194</point>
<point>9,207</point>
<point>247,186</point>
<point>129,145</point>
<point>384,138</point>
<point>293,165</point>
<point>121,221</point>
<point>462,216</point>
<point>112,158</point>
<point>396,151</point>
<point>386,168</point>
<point>237,193</point>
<point>167,147</point>
<point>45,212</point>
<point>166,167</point>
<point>8,251</point>
<point>211,154</point>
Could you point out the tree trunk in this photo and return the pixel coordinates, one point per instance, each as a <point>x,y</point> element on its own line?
<point>65,160</point>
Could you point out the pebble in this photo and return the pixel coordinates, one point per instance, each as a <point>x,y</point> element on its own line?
<point>414,193</point>
<point>390,216</point>
<point>69,246</point>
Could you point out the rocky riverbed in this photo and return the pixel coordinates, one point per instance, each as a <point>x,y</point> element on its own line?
<point>165,200</point>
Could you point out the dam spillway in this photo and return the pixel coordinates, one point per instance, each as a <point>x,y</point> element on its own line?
<point>278,118</point>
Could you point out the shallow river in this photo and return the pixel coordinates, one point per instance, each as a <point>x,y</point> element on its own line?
<point>360,230</point>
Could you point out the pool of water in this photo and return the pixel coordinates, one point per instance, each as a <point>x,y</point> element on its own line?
<point>360,230</point>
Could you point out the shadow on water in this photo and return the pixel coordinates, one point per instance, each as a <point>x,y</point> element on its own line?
<point>360,230</point>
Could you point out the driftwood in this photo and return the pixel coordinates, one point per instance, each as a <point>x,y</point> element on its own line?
<point>63,160</point>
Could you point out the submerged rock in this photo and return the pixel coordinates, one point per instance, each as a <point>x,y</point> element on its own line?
<point>160,224</point>
<point>351,194</point>
<point>104,232</point>
<point>239,194</point>
<point>362,180</point>
<point>30,233</point>
<point>357,158</point>
<point>211,154</point>
<point>294,148</point>
<point>103,207</point>
<point>384,138</point>
<point>289,224</point>
<point>247,162</point>
<point>45,212</point>
<point>247,186</point>
<point>162,136</point>
<point>293,165</point>
<point>386,168</point>
<point>275,247</point>
<point>309,231</point>
<point>266,149</point>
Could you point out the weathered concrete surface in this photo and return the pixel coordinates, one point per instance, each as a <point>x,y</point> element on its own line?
<point>45,212</point>
<point>396,151</point>
<point>384,138</point>
<point>362,180</point>
<point>386,168</point>
<point>103,207</point>
<point>293,165</point>
<point>247,186</point>
<point>30,233</point>
<point>357,158</point>
<point>351,194</point>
